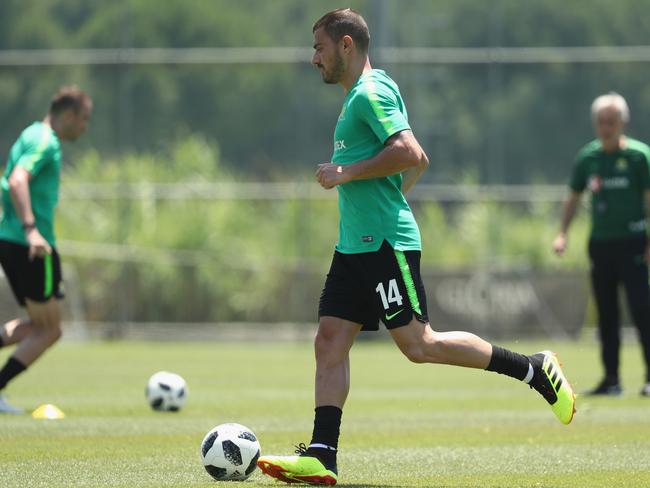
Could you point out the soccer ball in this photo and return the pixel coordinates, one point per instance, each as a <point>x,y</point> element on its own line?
<point>230,452</point>
<point>166,391</point>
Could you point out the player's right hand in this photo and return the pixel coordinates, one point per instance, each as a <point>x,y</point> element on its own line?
<point>38,246</point>
<point>329,175</point>
<point>559,244</point>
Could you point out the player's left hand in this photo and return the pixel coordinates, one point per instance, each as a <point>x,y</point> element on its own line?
<point>329,175</point>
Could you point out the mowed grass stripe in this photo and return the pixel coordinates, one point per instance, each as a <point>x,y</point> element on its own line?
<point>404,425</point>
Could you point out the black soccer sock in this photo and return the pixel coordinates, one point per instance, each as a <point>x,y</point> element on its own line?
<point>11,369</point>
<point>504,361</point>
<point>2,342</point>
<point>325,439</point>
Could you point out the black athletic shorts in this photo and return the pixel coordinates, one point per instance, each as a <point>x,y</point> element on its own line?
<point>37,280</point>
<point>384,285</point>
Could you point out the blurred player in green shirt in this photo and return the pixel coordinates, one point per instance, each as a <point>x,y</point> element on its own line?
<point>375,271</point>
<point>28,255</point>
<point>615,169</point>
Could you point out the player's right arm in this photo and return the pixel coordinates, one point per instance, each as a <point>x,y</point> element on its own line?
<point>401,154</point>
<point>570,206</point>
<point>20,197</point>
<point>379,108</point>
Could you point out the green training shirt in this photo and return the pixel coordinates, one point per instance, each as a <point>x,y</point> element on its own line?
<point>617,182</point>
<point>38,150</point>
<point>375,209</point>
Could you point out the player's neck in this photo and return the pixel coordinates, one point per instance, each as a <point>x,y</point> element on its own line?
<point>612,148</point>
<point>357,68</point>
<point>52,123</point>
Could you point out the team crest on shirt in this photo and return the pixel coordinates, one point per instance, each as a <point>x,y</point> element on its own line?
<point>621,164</point>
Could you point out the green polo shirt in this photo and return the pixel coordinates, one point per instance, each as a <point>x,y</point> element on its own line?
<point>372,210</point>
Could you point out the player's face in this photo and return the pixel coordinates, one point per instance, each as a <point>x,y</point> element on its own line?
<point>609,126</point>
<point>77,122</point>
<point>327,57</point>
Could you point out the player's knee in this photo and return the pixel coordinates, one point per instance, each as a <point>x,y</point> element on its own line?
<point>325,348</point>
<point>437,347</point>
<point>51,335</point>
<point>415,354</point>
<point>429,348</point>
<point>55,334</point>
<point>51,331</point>
<point>329,346</point>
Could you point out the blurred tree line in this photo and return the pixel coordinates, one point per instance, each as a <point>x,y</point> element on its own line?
<point>225,260</point>
<point>197,259</point>
<point>515,123</point>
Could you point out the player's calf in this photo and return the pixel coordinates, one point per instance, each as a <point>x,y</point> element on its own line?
<point>420,344</point>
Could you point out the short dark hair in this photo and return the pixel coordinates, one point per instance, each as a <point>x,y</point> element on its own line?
<point>345,22</point>
<point>69,97</point>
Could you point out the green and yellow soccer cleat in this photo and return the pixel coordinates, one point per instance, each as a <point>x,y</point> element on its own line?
<point>550,382</point>
<point>297,469</point>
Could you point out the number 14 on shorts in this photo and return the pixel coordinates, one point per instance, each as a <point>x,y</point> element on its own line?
<point>393,295</point>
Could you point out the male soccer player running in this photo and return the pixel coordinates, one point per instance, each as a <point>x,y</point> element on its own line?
<point>30,192</point>
<point>375,272</point>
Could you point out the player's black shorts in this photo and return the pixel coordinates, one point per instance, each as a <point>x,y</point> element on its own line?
<point>384,285</point>
<point>37,280</point>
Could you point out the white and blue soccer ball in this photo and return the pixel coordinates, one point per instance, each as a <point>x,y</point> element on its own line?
<point>166,391</point>
<point>229,452</point>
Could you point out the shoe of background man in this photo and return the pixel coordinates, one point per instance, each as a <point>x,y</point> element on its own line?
<point>645,391</point>
<point>607,387</point>
<point>298,469</point>
<point>7,408</point>
<point>550,382</point>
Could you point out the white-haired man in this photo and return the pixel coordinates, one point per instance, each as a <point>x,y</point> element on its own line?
<point>615,168</point>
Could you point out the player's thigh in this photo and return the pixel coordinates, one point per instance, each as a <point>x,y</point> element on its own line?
<point>634,275</point>
<point>413,339</point>
<point>396,287</point>
<point>14,259</point>
<point>345,298</point>
<point>604,262</point>
<point>604,274</point>
<point>43,278</point>
<point>44,315</point>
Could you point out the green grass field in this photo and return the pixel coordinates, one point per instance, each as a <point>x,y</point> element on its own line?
<point>404,425</point>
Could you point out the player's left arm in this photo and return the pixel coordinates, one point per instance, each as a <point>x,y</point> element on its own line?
<point>401,153</point>
<point>646,200</point>
<point>411,176</point>
<point>645,185</point>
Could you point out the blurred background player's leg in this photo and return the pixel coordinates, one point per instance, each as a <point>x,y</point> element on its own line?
<point>14,331</point>
<point>604,279</point>
<point>634,275</point>
<point>44,331</point>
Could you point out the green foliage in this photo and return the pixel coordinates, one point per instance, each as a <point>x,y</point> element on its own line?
<point>498,233</point>
<point>508,123</point>
<point>205,259</point>
<point>404,425</point>
<point>220,259</point>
